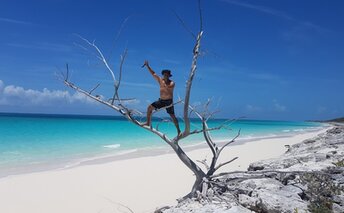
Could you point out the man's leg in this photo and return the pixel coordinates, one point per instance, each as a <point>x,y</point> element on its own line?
<point>175,121</point>
<point>149,115</point>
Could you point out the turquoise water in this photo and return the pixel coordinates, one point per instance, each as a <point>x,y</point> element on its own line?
<point>27,139</point>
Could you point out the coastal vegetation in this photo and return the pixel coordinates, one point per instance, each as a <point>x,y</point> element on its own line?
<point>320,191</point>
<point>339,120</point>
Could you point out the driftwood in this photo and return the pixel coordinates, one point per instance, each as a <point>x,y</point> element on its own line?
<point>117,103</point>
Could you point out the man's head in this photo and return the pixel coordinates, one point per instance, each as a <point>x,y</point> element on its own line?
<point>166,73</point>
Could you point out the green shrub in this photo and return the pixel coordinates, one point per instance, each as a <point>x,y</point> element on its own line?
<point>319,191</point>
<point>339,163</point>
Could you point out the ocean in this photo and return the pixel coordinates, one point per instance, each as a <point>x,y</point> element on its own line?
<point>34,142</point>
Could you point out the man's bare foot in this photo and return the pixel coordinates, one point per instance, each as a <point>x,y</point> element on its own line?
<point>145,124</point>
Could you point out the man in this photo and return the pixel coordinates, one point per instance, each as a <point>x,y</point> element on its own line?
<point>166,96</point>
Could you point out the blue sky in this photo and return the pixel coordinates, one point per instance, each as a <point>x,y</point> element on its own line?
<point>264,59</point>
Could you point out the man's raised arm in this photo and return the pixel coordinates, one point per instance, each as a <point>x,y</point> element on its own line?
<point>155,76</point>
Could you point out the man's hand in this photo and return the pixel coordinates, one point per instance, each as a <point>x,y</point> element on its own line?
<point>145,64</point>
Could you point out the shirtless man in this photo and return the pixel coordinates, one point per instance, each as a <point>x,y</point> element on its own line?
<point>166,96</point>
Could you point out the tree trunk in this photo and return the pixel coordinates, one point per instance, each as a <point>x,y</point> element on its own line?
<point>192,166</point>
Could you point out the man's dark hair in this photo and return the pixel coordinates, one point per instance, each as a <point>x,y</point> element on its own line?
<point>166,71</point>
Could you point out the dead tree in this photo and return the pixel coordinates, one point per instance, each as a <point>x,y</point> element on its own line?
<point>117,103</point>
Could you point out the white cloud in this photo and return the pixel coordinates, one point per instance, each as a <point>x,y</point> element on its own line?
<point>43,46</point>
<point>260,8</point>
<point>304,32</point>
<point>1,85</point>
<point>278,107</point>
<point>321,109</point>
<point>142,85</point>
<point>16,95</point>
<point>252,108</point>
<point>278,13</point>
<point>170,61</point>
<point>264,76</point>
<point>13,21</point>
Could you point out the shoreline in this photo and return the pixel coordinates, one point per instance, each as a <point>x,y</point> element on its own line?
<point>139,153</point>
<point>157,151</point>
<point>143,183</point>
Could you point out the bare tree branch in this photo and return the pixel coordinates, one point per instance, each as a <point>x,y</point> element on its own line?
<point>189,84</point>
<point>94,88</point>
<point>204,162</point>
<point>122,100</point>
<point>208,139</point>
<point>67,74</point>
<point>262,172</point>
<point>100,57</point>
<point>175,103</point>
<point>211,114</point>
<point>120,205</point>
<point>202,130</point>
<point>118,83</point>
<point>225,163</point>
<point>184,25</point>
<point>118,35</point>
<point>223,125</point>
<point>200,16</point>
<point>229,142</point>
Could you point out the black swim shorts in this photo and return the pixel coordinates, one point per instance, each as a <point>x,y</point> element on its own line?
<point>163,103</point>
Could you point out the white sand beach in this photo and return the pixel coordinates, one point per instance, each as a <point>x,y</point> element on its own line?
<point>142,183</point>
